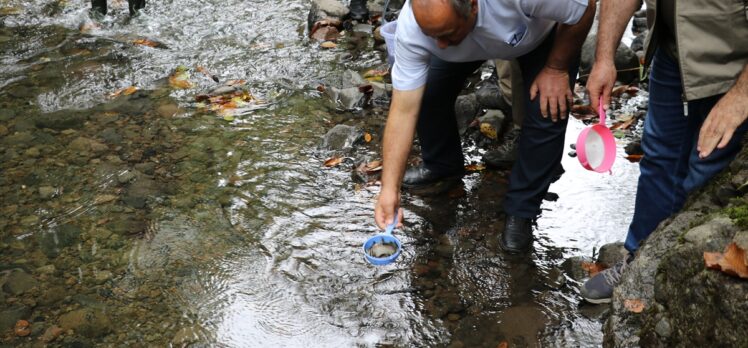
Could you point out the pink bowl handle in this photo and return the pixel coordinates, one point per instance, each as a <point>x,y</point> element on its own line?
<point>601,111</point>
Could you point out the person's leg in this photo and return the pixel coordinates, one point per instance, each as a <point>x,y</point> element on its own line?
<point>541,143</point>
<point>666,143</point>
<point>437,129</point>
<point>99,6</point>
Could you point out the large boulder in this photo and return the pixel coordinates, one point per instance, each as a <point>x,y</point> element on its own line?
<point>626,61</point>
<point>685,303</point>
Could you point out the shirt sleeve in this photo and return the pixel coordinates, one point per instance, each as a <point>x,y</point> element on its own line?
<point>411,66</point>
<point>562,11</point>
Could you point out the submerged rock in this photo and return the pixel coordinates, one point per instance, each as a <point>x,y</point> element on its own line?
<point>341,137</point>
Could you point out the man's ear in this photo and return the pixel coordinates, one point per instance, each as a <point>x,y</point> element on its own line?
<point>473,7</point>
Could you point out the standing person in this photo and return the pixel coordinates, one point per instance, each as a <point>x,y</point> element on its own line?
<point>441,42</point>
<point>698,103</point>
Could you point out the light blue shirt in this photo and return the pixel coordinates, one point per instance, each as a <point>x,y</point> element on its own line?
<point>504,29</point>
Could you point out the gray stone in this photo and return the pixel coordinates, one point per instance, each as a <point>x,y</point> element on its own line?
<point>741,239</point>
<point>87,322</point>
<point>573,267</point>
<point>332,8</point>
<point>125,176</point>
<point>626,61</point>
<point>46,192</point>
<point>60,120</point>
<point>466,109</point>
<point>52,241</point>
<point>489,97</point>
<point>351,78</point>
<point>611,253</point>
<point>712,234</point>
<point>19,282</point>
<point>663,328</point>
<point>341,137</point>
<point>10,315</point>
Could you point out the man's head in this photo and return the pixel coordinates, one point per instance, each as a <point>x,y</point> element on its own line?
<point>447,21</point>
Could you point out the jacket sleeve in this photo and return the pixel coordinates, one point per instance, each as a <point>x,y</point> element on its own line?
<point>562,11</point>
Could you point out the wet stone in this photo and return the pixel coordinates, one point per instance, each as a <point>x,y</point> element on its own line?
<point>47,192</point>
<point>88,322</point>
<point>3,131</point>
<point>19,282</point>
<point>12,314</point>
<point>341,137</point>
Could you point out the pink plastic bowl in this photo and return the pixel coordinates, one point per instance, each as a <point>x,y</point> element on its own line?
<point>596,146</point>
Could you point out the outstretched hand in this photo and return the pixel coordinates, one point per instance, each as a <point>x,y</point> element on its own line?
<point>552,85</point>
<point>384,210</point>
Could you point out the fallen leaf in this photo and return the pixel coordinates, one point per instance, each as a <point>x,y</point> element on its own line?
<point>333,161</point>
<point>180,78</point>
<point>123,91</point>
<point>488,130</point>
<point>623,125</point>
<point>593,268</point>
<point>367,137</point>
<point>634,158</point>
<point>733,261</point>
<point>146,42</point>
<point>328,44</point>
<point>474,167</point>
<point>634,305</point>
<point>618,90</point>
<point>503,344</point>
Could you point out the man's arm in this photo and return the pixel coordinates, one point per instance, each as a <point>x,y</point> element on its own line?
<point>552,83</point>
<point>398,137</point>
<point>725,117</point>
<point>614,16</point>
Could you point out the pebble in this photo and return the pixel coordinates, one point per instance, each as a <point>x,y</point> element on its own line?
<point>47,192</point>
<point>3,131</point>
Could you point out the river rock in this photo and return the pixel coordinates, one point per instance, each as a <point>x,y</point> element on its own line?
<point>341,137</point>
<point>611,253</point>
<point>625,59</point>
<point>47,192</point>
<point>466,108</point>
<point>573,267</point>
<point>55,239</point>
<point>19,282</point>
<point>9,315</point>
<point>88,322</point>
<point>3,131</point>
<point>685,303</point>
<point>61,120</point>
<point>489,97</point>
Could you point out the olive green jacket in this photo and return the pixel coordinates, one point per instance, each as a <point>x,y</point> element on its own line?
<point>712,40</point>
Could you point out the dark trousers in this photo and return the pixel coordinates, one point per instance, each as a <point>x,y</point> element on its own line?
<point>671,167</point>
<point>134,6</point>
<point>541,143</point>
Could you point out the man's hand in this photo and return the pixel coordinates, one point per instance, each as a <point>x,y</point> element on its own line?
<point>555,96</point>
<point>601,82</point>
<point>384,210</point>
<point>729,113</point>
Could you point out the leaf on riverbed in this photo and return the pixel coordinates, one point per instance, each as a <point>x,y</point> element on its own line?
<point>634,305</point>
<point>474,167</point>
<point>503,344</point>
<point>583,112</point>
<point>733,261</point>
<point>376,75</point>
<point>488,130</point>
<point>367,137</point>
<point>147,42</point>
<point>634,158</point>
<point>333,161</point>
<point>123,91</point>
<point>372,167</point>
<point>328,44</point>
<point>593,268</point>
<point>180,78</point>
<point>624,124</point>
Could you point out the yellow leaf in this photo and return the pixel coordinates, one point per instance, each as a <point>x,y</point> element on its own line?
<point>146,42</point>
<point>328,44</point>
<point>367,137</point>
<point>474,167</point>
<point>488,130</point>
<point>124,91</point>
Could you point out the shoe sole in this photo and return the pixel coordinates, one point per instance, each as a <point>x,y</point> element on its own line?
<point>512,251</point>
<point>597,300</point>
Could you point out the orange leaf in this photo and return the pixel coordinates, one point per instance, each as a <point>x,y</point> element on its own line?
<point>634,158</point>
<point>374,165</point>
<point>333,161</point>
<point>328,44</point>
<point>592,268</point>
<point>503,344</point>
<point>180,83</point>
<point>146,42</point>
<point>474,167</point>
<point>634,305</point>
<point>376,73</point>
<point>732,261</point>
<point>367,137</point>
<point>123,91</point>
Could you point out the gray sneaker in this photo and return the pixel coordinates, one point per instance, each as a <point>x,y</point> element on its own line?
<point>599,289</point>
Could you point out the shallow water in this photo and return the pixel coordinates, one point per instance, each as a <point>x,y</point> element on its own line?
<point>142,220</point>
